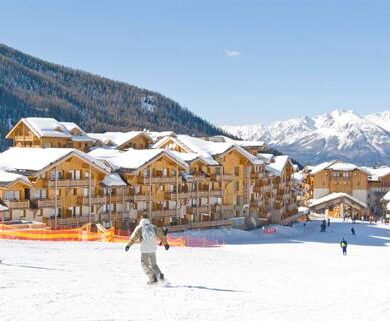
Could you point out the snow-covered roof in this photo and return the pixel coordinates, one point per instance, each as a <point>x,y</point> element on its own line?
<point>7,178</point>
<point>159,135</point>
<point>298,177</point>
<point>78,135</point>
<point>386,197</point>
<point>114,179</point>
<point>190,157</point>
<point>206,149</point>
<point>318,168</point>
<point>3,208</point>
<point>133,159</point>
<point>377,173</point>
<point>341,166</point>
<point>266,157</point>
<point>278,165</point>
<point>28,160</point>
<point>50,127</point>
<point>333,196</point>
<point>117,139</point>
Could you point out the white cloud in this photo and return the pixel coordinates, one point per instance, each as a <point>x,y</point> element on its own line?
<point>232,53</point>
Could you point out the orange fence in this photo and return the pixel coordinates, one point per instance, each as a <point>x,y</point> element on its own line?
<point>82,234</point>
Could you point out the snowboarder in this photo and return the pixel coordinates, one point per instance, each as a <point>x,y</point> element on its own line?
<point>146,233</point>
<point>343,245</point>
<point>353,231</point>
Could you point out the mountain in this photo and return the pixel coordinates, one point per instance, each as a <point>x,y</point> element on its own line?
<point>344,135</point>
<point>32,87</point>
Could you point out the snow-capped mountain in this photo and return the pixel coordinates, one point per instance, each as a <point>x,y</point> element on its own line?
<point>344,135</point>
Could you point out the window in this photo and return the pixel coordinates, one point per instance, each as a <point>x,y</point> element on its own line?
<point>59,174</point>
<point>39,194</point>
<point>236,186</point>
<point>218,170</point>
<point>237,171</point>
<point>12,195</point>
<point>75,174</point>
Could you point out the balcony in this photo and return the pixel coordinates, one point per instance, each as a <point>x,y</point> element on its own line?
<point>71,183</point>
<point>29,138</point>
<point>157,180</point>
<point>17,204</point>
<point>197,178</point>
<point>71,221</point>
<point>43,203</point>
<point>216,193</point>
<point>114,217</point>
<point>181,195</point>
<point>139,197</point>
<point>198,210</point>
<point>84,200</point>
<point>161,213</point>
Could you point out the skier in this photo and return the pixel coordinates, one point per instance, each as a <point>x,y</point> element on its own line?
<point>323,226</point>
<point>146,233</point>
<point>353,231</point>
<point>343,245</point>
<point>328,221</point>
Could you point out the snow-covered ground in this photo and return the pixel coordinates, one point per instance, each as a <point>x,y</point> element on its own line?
<point>297,274</point>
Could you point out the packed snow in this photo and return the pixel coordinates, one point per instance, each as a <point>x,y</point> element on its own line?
<point>278,273</point>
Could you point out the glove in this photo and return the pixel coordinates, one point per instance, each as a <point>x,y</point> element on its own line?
<point>166,246</point>
<point>127,247</point>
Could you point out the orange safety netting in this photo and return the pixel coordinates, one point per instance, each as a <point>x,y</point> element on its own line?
<point>82,234</point>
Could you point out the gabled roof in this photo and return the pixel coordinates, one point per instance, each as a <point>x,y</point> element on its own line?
<point>267,157</point>
<point>118,139</point>
<point>113,180</point>
<point>78,135</point>
<point>31,161</point>
<point>337,166</point>
<point>7,179</point>
<point>334,196</point>
<point>278,166</point>
<point>50,127</point>
<point>206,149</point>
<point>377,173</point>
<point>190,158</point>
<point>318,168</point>
<point>134,159</point>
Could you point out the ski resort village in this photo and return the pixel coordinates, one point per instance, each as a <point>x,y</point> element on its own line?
<point>221,202</point>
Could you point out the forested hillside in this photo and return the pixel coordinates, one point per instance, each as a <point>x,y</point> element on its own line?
<point>33,87</point>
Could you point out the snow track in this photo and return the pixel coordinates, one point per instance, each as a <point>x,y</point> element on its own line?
<point>289,276</point>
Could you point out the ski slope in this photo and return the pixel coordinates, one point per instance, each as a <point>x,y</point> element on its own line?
<point>296,274</point>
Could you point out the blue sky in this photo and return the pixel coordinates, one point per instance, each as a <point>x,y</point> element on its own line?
<point>231,62</point>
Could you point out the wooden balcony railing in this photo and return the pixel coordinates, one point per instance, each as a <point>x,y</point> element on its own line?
<point>29,138</point>
<point>42,203</point>
<point>199,210</point>
<point>71,221</point>
<point>84,200</point>
<point>160,213</point>
<point>180,195</point>
<point>158,180</point>
<point>71,183</point>
<point>17,204</point>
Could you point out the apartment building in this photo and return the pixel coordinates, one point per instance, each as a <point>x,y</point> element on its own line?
<point>177,180</point>
<point>48,133</point>
<point>52,185</point>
